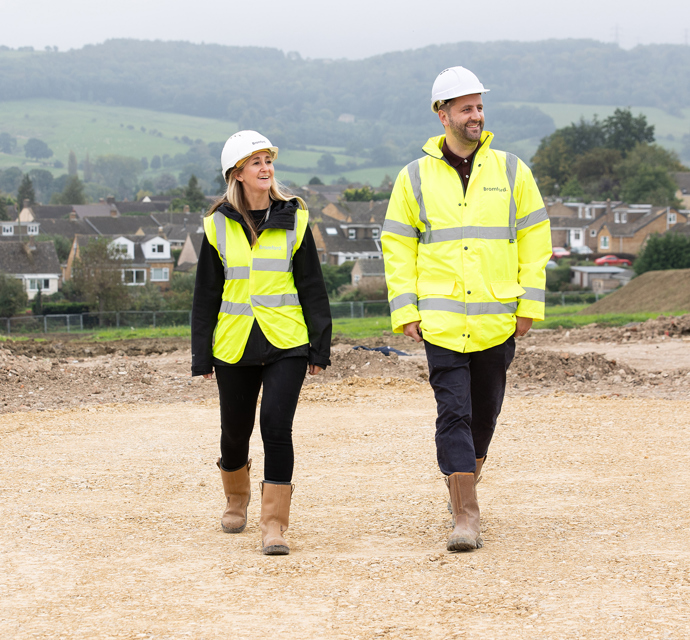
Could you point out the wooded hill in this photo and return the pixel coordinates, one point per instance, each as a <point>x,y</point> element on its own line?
<point>295,100</point>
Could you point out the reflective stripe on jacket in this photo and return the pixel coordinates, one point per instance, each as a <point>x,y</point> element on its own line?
<point>466,264</point>
<point>258,284</point>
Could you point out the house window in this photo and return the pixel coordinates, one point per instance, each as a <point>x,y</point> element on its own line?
<point>593,233</point>
<point>7,230</point>
<point>576,235</point>
<point>604,242</point>
<point>160,274</point>
<point>134,276</point>
<point>672,218</point>
<point>331,231</point>
<point>157,248</point>
<point>352,234</point>
<point>617,217</point>
<point>356,278</point>
<point>375,233</point>
<point>32,229</point>
<point>39,283</point>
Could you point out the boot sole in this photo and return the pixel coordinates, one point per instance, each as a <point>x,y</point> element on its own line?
<point>276,550</point>
<point>464,544</point>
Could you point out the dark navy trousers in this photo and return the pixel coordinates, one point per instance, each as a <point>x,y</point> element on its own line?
<point>469,390</point>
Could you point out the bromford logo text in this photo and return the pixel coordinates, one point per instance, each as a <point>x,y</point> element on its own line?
<point>495,188</point>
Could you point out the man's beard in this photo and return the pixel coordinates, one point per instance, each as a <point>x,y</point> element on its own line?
<point>460,132</point>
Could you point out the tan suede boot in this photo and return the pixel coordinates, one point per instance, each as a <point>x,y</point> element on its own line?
<point>463,497</point>
<point>238,493</point>
<point>275,517</point>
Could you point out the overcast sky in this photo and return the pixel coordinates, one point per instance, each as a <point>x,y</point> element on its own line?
<point>347,29</point>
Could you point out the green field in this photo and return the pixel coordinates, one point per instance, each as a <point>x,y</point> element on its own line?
<point>103,129</point>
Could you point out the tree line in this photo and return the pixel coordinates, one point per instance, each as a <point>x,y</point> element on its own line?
<point>613,158</point>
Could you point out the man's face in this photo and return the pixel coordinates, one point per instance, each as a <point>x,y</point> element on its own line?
<point>464,116</point>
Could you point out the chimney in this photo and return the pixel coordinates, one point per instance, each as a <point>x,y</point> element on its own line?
<point>608,206</point>
<point>27,203</point>
<point>371,205</point>
<point>160,229</point>
<point>101,200</point>
<point>110,199</point>
<point>73,215</point>
<point>113,211</point>
<point>185,209</point>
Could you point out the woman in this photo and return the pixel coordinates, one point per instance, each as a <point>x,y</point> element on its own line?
<point>260,317</point>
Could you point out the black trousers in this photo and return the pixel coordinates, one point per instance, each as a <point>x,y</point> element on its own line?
<point>469,390</point>
<point>238,388</point>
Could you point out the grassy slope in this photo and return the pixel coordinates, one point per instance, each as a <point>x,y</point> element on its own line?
<point>96,128</point>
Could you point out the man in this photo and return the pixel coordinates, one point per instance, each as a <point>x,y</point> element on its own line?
<point>465,242</point>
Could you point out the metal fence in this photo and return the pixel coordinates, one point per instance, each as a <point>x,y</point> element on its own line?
<point>74,322</point>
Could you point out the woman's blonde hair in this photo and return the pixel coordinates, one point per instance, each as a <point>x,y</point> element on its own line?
<point>234,196</point>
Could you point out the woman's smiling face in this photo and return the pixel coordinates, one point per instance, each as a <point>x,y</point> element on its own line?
<point>256,175</point>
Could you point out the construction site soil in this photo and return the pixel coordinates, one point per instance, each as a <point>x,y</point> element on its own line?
<point>111,498</point>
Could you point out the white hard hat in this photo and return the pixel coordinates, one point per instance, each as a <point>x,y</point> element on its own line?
<point>453,83</point>
<point>242,145</point>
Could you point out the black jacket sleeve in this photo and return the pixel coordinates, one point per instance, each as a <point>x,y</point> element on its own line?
<point>208,295</point>
<point>306,270</point>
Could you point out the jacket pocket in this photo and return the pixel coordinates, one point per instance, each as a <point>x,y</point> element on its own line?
<point>506,289</point>
<point>435,287</point>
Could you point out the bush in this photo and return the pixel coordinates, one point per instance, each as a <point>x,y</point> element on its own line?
<point>557,279</point>
<point>56,308</point>
<point>13,298</point>
<point>336,277</point>
<point>669,251</point>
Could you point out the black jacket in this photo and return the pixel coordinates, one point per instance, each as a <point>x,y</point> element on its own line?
<point>306,271</point>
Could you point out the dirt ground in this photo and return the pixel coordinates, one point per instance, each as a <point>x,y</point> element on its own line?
<point>111,498</point>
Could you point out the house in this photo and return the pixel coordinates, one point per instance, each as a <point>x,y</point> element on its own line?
<point>583,276</point>
<point>97,210</point>
<point>363,213</point>
<point>369,276</point>
<point>34,263</point>
<point>569,231</point>
<point>13,230</point>
<point>338,241</point>
<point>682,179</point>
<point>148,259</point>
<point>626,228</point>
<point>189,256</point>
<point>36,212</point>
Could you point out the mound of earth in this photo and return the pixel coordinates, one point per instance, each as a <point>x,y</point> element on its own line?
<point>652,330</point>
<point>64,347</point>
<point>654,291</point>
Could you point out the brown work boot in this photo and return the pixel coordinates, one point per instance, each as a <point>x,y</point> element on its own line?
<point>275,517</point>
<point>238,492</point>
<point>477,478</point>
<point>463,497</point>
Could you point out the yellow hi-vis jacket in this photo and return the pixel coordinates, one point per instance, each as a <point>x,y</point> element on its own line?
<point>466,264</point>
<point>258,284</point>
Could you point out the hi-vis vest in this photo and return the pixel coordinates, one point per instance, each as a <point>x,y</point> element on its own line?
<point>465,264</point>
<point>258,284</point>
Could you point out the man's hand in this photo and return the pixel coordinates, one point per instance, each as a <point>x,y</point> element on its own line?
<point>523,326</point>
<point>412,330</point>
<point>208,376</point>
<point>314,369</point>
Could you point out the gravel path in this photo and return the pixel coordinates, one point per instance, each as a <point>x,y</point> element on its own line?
<point>110,522</point>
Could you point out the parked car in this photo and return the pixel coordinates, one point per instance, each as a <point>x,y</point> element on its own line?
<point>612,261</point>
<point>581,251</point>
<point>551,264</point>
<point>560,252</point>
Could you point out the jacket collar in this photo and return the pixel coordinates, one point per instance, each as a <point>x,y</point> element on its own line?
<point>434,145</point>
<point>281,216</point>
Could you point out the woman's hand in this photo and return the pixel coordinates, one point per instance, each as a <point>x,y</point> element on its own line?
<point>208,376</point>
<point>314,369</point>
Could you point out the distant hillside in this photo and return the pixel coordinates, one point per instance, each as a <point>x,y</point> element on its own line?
<point>654,291</point>
<point>301,100</point>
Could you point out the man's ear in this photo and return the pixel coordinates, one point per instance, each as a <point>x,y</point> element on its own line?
<point>443,117</point>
